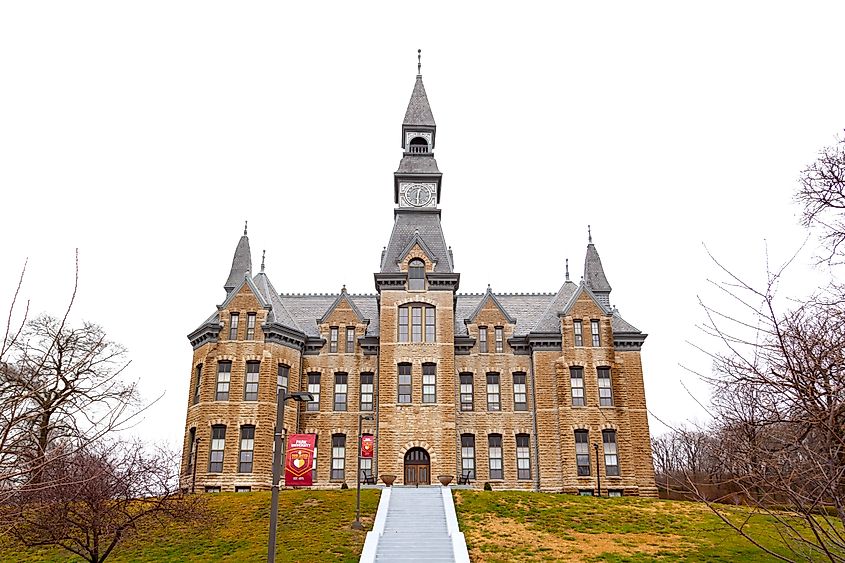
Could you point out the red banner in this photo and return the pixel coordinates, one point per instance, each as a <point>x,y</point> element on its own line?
<point>367,445</point>
<point>299,459</point>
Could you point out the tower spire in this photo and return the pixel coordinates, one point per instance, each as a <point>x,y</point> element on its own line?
<point>594,272</point>
<point>241,263</point>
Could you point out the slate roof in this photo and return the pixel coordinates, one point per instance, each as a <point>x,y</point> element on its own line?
<point>620,325</point>
<point>526,308</point>
<point>279,313</point>
<point>241,263</point>
<point>418,112</point>
<point>549,321</point>
<point>405,226</point>
<point>594,272</point>
<point>418,164</point>
<point>307,309</point>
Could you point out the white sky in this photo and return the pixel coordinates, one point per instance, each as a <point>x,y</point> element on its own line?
<point>145,133</point>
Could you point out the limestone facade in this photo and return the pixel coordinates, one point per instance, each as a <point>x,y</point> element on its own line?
<point>522,391</point>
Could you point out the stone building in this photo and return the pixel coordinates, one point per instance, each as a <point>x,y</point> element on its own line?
<point>524,391</point>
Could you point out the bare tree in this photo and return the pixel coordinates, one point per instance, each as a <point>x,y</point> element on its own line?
<point>822,196</point>
<point>93,498</point>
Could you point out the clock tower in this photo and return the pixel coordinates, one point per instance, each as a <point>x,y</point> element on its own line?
<point>417,181</point>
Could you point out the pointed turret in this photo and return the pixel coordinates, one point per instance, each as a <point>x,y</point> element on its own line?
<point>594,276</point>
<point>241,263</point>
<point>419,111</point>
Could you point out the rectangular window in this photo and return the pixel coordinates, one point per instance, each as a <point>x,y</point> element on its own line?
<point>250,326</point>
<point>224,376</point>
<point>429,389</point>
<point>233,326</point>
<point>403,324</point>
<point>404,383</point>
<point>366,465</point>
<point>197,383</point>
<point>611,460</point>
<point>247,446</point>
<point>494,402</point>
<point>614,493</point>
<point>350,340</point>
<point>240,489</point>
<point>579,332</point>
<point>314,462</point>
<point>494,443</point>
<point>429,324</point>
<point>482,339</point>
<point>212,489</point>
<point>586,492</point>
<point>520,398</point>
<point>466,392</point>
<point>523,457</point>
<point>468,454</point>
<point>333,340</point>
<point>366,391</point>
<point>594,328</point>
<point>251,381</point>
<point>605,387</point>
<point>282,378</point>
<point>416,324</point>
<point>340,390</point>
<point>338,456</point>
<point>582,452</point>
<point>192,452</point>
<point>218,444</point>
<point>576,381</point>
<point>500,339</point>
<point>314,389</point>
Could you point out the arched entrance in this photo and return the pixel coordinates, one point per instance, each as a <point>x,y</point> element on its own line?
<point>417,467</point>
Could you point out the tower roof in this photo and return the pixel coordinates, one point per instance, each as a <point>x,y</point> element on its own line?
<point>419,112</point>
<point>241,263</point>
<point>593,271</point>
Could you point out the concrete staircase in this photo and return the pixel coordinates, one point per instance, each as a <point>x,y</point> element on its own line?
<point>415,524</point>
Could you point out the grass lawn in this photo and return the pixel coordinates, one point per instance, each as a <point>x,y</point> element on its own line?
<point>519,526</point>
<point>313,527</point>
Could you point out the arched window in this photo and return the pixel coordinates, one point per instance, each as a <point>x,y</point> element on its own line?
<point>416,275</point>
<point>418,145</point>
<point>416,323</point>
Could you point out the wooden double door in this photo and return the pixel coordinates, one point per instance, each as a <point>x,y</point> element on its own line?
<point>417,467</point>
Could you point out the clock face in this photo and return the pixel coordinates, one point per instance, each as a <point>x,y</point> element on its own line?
<point>418,195</point>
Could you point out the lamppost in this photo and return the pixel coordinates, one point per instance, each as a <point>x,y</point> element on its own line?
<point>598,475</point>
<point>281,396</point>
<point>356,525</point>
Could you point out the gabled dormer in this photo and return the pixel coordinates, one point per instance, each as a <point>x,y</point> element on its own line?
<point>490,325</point>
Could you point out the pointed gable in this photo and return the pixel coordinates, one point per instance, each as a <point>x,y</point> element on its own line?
<point>488,300</point>
<point>584,291</point>
<point>249,285</point>
<point>421,228</point>
<point>343,301</point>
<point>419,111</point>
<point>278,312</point>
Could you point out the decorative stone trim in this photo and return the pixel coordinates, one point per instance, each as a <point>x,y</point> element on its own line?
<point>417,298</point>
<point>416,444</point>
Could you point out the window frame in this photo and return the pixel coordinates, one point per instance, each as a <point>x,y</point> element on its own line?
<point>595,332</point>
<point>192,448</point>
<point>366,392</point>
<point>466,406</point>
<point>482,340</point>
<point>613,454</point>
<point>404,324</point>
<point>314,389</point>
<point>416,323</point>
<point>491,375</point>
<point>605,390</point>
<point>282,376</point>
<point>491,447</point>
<point>246,466</point>
<point>250,326</point>
<point>523,457</point>
<point>251,395</point>
<point>341,391</point>
<point>499,339</point>
<point>349,347</point>
<point>583,467</point>
<point>197,385</point>
<point>578,332</point>
<point>429,383</point>
<point>517,404</point>
<point>218,438</point>
<point>468,454</point>
<point>400,386</point>
<point>223,385</point>
<point>333,335</point>
<point>338,467</point>
<point>234,321</point>
<point>578,400</point>
<point>416,282</point>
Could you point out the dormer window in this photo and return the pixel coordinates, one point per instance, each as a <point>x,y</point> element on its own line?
<point>418,145</point>
<point>416,275</point>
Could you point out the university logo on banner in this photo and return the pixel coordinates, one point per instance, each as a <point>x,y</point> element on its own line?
<point>367,445</point>
<point>298,460</point>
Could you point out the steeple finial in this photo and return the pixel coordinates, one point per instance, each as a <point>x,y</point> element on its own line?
<point>567,269</point>
<point>263,252</point>
<point>589,235</point>
<point>245,223</point>
<point>419,62</point>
